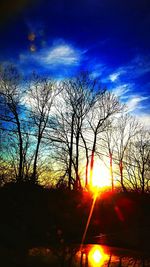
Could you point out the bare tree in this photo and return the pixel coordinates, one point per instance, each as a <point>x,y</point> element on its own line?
<point>108,140</point>
<point>138,156</point>
<point>106,106</point>
<point>82,94</point>
<point>11,94</point>
<point>72,118</point>
<point>41,95</point>
<point>8,166</point>
<point>126,129</point>
<point>61,125</point>
<point>78,96</point>
<point>86,110</point>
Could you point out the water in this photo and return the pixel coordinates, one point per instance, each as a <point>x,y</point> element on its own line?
<point>89,256</point>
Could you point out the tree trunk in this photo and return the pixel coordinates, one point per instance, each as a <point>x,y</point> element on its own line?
<point>20,171</point>
<point>111,172</point>
<point>92,158</point>
<point>78,182</point>
<point>34,175</point>
<point>121,176</point>
<point>71,151</point>
<point>143,179</point>
<point>87,160</point>
<point>86,172</point>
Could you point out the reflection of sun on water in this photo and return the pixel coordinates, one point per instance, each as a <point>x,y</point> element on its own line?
<point>92,256</point>
<point>100,177</point>
<point>97,256</point>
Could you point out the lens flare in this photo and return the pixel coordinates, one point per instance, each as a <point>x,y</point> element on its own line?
<point>31,36</point>
<point>32,48</point>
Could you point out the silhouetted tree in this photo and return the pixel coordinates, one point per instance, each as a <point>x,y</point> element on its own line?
<point>101,114</point>
<point>11,95</point>
<point>82,94</point>
<point>108,141</point>
<point>78,96</point>
<point>126,129</point>
<point>138,165</point>
<point>40,97</point>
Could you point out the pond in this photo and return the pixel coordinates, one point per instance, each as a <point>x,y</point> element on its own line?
<point>86,256</point>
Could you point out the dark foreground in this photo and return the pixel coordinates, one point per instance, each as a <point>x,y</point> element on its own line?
<point>74,256</point>
<point>38,225</point>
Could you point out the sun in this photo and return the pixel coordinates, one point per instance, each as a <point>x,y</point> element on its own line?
<point>100,176</point>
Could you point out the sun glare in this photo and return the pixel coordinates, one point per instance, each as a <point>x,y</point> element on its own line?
<point>100,177</point>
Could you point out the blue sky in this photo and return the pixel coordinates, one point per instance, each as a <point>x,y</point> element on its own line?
<point>109,38</point>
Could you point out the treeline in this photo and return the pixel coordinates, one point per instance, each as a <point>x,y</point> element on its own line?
<point>51,132</point>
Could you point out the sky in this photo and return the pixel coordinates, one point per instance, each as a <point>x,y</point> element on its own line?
<point>108,38</point>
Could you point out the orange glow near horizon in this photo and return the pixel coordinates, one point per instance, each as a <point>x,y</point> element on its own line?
<point>100,177</point>
<point>97,256</point>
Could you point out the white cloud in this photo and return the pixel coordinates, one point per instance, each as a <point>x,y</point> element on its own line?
<point>144,118</point>
<point>121,90</point>
<point>95,74</point>
<point>136,102</point>
<point>98,69</point>
<point>138,66</point>
<point>61,54</point>
<point>114,76</point>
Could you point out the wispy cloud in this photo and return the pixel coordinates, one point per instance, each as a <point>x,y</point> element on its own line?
<point>122,90</point>
<point>144,118</point>
<point>136,102</point>
<point>60,53</point>
<point>127,84</point>
<point>137,67</point>
<point>114,76</point>
<point>98,69</point>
